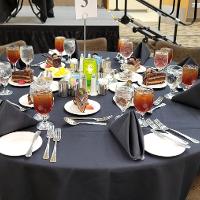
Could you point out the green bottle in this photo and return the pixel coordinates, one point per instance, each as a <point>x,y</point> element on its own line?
<point>89,68</point>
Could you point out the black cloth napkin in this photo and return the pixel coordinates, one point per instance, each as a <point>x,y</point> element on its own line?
<point>190,97</point>
<point>128,132</point>
<point>8,116</point>
<point>142,52</point>
<point>188,61</point>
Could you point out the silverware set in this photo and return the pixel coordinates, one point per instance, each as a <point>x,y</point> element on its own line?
<point>163,131</point>
<point>55,135</point>
<point>99,120</point>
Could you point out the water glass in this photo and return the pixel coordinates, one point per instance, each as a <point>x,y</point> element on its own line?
<point>27,55</point>
<point>173,78</point>
<point>5,74</point>
<point>126,49</point>
<point>123,97</point>
<point>69,46</point>
<point>13,55</point>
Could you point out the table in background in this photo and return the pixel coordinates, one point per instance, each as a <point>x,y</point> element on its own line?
<point>91,165</point>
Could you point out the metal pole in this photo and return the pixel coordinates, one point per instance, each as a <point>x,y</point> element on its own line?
<point>159,19</point>
<point>117,6</point>
<point>84,50</point>
<point>125,19</point>
<point>176,22</point>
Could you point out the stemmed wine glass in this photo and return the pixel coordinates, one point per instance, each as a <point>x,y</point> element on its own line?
<point>143,102</point>
<point>13,55</point>
<point>119,57</point>
<point>173,78</point>
<point>43,102</point>
<point>5,74</point>
<point>69,46</point>
<point>189,76</point>
<point>123,96</point>
<point>160,59</point>
<point>126,49</point>
<point>169,52</point>
<point>27,55</point>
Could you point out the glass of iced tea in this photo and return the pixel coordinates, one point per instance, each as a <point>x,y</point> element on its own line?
<point>190,75</point>
<point>43,102</point>
<point>170,53</point>
<point>143,101</point>
<point>13,55</point>
<point>160,59</point>
<point>126,49</point>
<point>59,44</point>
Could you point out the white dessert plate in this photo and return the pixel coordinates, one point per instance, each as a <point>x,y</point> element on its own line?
<point>112,86</point>
<point>157,86</point>
<point>131,104</point>
<point>52,51</point>
<point>17,84</point>
<point>18,143</point>
<point>73,109</point>
<point>140,70</point>
<point>23,100</point>
<point>135,77</point>
<point>163,147</point>
<point>43,65</point>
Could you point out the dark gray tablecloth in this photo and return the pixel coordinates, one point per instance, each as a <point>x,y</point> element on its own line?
<point>91,165</point>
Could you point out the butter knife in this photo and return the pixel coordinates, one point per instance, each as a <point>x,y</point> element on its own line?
<point>29,152</point>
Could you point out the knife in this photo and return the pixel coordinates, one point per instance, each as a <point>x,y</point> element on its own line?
<point>29,152</point>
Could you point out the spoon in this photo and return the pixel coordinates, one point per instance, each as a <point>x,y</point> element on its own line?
<point>74,123</point>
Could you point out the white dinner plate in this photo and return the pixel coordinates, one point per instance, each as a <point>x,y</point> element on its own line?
<point>142,69</point>
<point>23,100</point>
<point>161,146</point>
<point>73,109</point>
<point>18,143</point>
<point>52,51</point>
<point>112,86</point>
<point>17,84</point>
<point>135,77</point>
<point>43,65</point>
<point>157,86</point>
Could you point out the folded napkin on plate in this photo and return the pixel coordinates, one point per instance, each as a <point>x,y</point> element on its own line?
<point>142,52</point>
<point>12,119</point>
<point>188,61</point>
<point>127,131</point>
<point>189,97</point>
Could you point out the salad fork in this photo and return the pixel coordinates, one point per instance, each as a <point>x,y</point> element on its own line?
<point>50,133</point>
<point>165,128</point>
<point>56,138</point>
<point>156,107</point>
<point>158,100</point>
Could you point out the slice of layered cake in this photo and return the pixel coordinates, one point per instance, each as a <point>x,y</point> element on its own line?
<point>81,99</point>
<point>152,77</point>
<point>53,61</point>
<point>22,76</point>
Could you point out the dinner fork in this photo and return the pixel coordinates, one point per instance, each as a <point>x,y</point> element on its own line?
<point>158,100</point>
<point>165,128</point>
<point>50,133</point>
<point>156,107</point>
<point>18,106</point>
<point>56,138</point>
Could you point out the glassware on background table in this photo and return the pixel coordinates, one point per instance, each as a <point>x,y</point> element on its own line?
<point>119,57</point>
<point>143,102</point>
<point>59,44</point>
<point>123,97</point>
<point>190,75</point>
<point>27,55</point>
<point>173,78</point>
<point>126,49</point>
<point>43,102</point>
<point>170,53</point>
<point>13,55</point>
<point>69,47</point>
<point>160,59</point>
<point>5,74</point>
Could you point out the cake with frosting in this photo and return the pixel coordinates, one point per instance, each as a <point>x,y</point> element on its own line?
<point>81,99</point>
<point>152,77</point>
<point>133,65</point>
<point>53,61</point>
<point>22,76</point>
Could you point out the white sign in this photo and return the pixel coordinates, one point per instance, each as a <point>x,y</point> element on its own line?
<point>85,8</point>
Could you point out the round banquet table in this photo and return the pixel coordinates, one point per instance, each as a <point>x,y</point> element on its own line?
<point>91,164</point>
